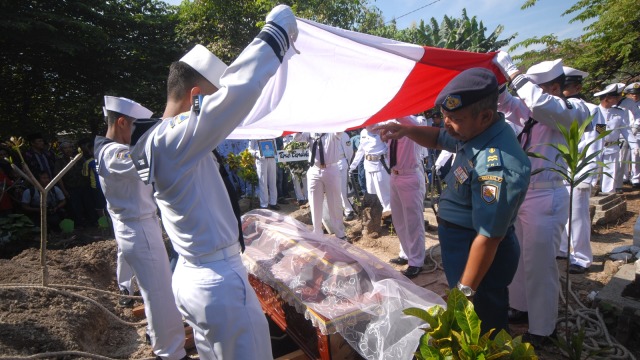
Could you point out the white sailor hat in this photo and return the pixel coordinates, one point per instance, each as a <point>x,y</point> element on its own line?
<point>609,90</point>
<point>545,71</point>
<point>633,88</point>
<point>574,75</point>
<point>126,107</point>
<point>207,64</point>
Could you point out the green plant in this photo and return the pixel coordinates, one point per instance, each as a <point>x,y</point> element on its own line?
<point>573,347</point>
<point>454,333</point>
<point>244,165</point>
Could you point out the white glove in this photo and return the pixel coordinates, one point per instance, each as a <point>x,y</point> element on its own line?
<point>283,16</point>
<point>504,62</point>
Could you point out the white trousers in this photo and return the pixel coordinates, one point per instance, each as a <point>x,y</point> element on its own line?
<point>625,158</point>
<point>124,273</point>
<point>325,182</point>
<point>143,248</point>
<point>581,253</point>
<point>266,168</point>
<point>344,175</point>
<point>300,193</point>
<point>635,167</point>
<point>407,207</point>
<point>536,286</point>
<point>218,302</point>
<point>613,168</point>
<point>378,183</point>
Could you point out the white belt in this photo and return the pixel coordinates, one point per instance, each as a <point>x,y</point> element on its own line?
<point>327,165</point>
<point>395,171</point>
<point>546,185</point>
<point>218,255</point>
<point>138,218</point>
<point>372,157</point>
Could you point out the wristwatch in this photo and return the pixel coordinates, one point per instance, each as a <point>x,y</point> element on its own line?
<point>466,290</point>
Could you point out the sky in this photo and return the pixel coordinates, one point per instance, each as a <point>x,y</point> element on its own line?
<point>542,19</point>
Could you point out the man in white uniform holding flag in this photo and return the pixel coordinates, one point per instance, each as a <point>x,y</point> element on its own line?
<point>205,102</point>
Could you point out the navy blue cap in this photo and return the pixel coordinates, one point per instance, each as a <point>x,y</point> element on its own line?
<point>468,87</point>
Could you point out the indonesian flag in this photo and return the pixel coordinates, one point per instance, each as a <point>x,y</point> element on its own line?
<point>345,80</point>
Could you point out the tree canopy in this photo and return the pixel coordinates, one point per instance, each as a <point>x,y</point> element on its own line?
<point>608,50</point>
<point>60,57</point>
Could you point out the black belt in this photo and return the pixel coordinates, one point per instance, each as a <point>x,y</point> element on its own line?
<point>451,225</point>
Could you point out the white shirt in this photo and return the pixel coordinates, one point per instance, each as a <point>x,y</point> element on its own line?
<point>127,196</point>
<point>616,119</point>
<point>550,111</point>
<point>370,144</point>
<point>408,153</point>
<point>331,143</point>
<point>194,203</point>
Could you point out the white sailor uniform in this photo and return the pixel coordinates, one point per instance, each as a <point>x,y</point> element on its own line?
<point>543,215</point>
<point>139,237</point>
<point>407,195</point>
<point>373,150</point>
<point>617,120</point>
<point>210,282</point>
<point>266,169</point>
<point>323,179</point>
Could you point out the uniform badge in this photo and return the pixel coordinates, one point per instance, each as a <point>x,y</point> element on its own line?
<point>489,193</point>
<point>452,102</point>
<point>600,128</point>
<point>490,178</point>
<point>123,155</point>
<point>461,174</point>
<point>493,158</point>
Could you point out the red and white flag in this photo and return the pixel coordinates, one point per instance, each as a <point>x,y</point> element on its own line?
<point>344,80</point>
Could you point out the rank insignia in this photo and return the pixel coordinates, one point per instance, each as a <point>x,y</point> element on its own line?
<point>489,193</point>
<point>600,128</point>
<point>493,159</point>
<point>452,102</point>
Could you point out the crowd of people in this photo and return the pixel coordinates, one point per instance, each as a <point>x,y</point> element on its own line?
<point>77,196</point>
<point>500,227</point>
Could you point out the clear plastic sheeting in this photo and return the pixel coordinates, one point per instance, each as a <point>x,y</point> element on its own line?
<point>339,287</point>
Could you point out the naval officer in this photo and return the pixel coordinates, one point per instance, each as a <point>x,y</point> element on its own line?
<point>485,187</point>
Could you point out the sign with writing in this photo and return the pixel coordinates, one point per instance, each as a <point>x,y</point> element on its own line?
<point>293,155</point>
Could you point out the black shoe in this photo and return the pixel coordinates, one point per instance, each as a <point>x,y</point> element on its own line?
<point>560,257</point>
<point>302,202</point>
<point>349,217</point>
<point>274,207</point>
<point>577,269</point>
<point>518,317</point>
<point>538,341</point>
<point>399,261</point>
<point>125,302</point>
<point>636,186</point>
<point>412,271</point>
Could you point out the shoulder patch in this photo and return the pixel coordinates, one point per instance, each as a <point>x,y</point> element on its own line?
<point>123,154</point>
<point>489,193</point>
<point>490,178</point>
<point>493,158</point>
<point>178,119</point>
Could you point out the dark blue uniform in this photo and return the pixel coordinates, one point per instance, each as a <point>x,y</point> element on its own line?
<point>485,187</point>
